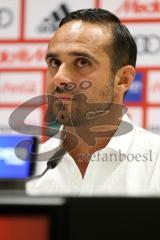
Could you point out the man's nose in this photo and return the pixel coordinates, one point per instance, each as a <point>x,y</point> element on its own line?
<point>63,76</point>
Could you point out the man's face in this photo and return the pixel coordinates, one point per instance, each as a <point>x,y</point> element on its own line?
<point>78,70</point>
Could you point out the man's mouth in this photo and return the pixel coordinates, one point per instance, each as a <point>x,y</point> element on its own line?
<point>63,97</point>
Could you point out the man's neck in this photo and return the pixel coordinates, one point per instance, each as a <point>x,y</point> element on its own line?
<point>82,151</point>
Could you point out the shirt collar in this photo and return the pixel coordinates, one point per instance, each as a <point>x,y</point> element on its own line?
<point>120,141</point>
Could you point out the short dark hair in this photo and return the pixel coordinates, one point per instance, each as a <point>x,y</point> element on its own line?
<point>124,49</point>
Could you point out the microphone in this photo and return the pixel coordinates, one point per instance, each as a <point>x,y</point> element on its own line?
<point>55,160</point>
<point>51,164</point>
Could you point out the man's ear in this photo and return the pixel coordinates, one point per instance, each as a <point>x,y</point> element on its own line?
<point>124,78</point>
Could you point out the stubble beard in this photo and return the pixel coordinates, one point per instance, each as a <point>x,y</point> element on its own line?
<point>79,110</point>
<point>69,114</point>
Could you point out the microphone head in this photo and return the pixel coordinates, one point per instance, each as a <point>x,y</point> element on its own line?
<point>52,164</point>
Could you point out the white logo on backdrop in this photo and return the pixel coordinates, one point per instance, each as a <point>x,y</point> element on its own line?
<point>6,17</point>
<point>8,156</point>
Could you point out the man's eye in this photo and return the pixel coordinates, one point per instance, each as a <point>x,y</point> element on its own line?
<point>82,62</point>
<point>54,62</point>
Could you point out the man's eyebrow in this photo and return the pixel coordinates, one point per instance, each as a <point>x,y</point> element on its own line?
<point>74,53</point>
<point>82,54</point>
<point>51,55</point>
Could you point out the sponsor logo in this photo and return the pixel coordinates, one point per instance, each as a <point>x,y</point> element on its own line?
<point>12,88</point>
<point>153,87</point>
<point>32,55</point>
<point>134,93</point>
<point>6,17</point>
<point>22,55</point>
<point>156,87</point>
<point>139,7</point>
<point>147,43</point>
<point>8,156</point>
<point>50,23</point>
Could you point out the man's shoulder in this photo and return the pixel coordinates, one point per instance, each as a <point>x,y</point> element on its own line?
<point>146,138</point>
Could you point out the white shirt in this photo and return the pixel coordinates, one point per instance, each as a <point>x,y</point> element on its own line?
<point>136,172</point>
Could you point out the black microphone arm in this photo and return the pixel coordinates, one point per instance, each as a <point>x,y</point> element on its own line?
<point>52,163</point>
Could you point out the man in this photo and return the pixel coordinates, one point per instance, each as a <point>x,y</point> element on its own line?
<point>91,63</point>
